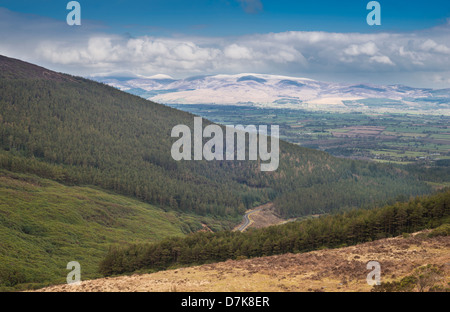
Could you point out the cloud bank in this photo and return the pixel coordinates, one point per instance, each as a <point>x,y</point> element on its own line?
<point>423,57</point>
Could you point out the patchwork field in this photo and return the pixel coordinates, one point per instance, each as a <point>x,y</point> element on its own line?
<point>388,137</point>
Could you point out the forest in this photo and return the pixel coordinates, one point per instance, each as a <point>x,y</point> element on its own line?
<point>80,132</point>
<point>330,231</point>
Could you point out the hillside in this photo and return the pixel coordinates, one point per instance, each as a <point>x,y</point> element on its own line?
<point>328,270</point>
<point>44,225</point>
<point>81,132</point>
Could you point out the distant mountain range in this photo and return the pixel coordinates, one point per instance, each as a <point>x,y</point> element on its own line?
<point>283,91</point>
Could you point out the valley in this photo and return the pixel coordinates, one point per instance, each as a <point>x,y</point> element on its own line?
<point>87,176</point>
<point>238,146</point>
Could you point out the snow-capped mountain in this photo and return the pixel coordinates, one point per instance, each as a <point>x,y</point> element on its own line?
<point>278,91</point>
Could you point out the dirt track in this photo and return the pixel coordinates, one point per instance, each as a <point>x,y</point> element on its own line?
<point>341,269</point>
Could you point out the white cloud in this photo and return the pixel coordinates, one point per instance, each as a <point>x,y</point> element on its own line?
<point>88,50</point>
<point>382,59</point>
<point>237,52</point>
<point>431,46</point>
<point>368,48</point>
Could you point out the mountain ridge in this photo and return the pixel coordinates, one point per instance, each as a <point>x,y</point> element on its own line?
<point>265,90</point>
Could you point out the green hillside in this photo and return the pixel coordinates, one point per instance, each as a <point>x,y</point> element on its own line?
<point>81,132</point>
<point>44,225</point>
<point>331,231</point>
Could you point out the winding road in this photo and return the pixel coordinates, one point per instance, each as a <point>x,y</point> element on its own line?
<point>246,219</point>
<point>265,218</point>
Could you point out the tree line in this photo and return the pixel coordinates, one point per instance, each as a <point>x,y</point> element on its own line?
<point>329,231</point>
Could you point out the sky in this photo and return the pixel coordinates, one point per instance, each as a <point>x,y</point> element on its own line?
<point>323,40</point>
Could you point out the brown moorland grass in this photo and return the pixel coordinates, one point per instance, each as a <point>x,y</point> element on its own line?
<point>329,270</point>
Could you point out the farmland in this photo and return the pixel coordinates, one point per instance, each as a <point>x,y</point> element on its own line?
<point>387,137</point>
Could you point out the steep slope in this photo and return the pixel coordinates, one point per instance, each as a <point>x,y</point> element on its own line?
<point>330,270</point>
<point>80,132</point>
<point>44,225</point>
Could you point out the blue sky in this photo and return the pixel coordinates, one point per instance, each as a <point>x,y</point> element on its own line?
<point>238,17</point>
<point>328,40</point>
